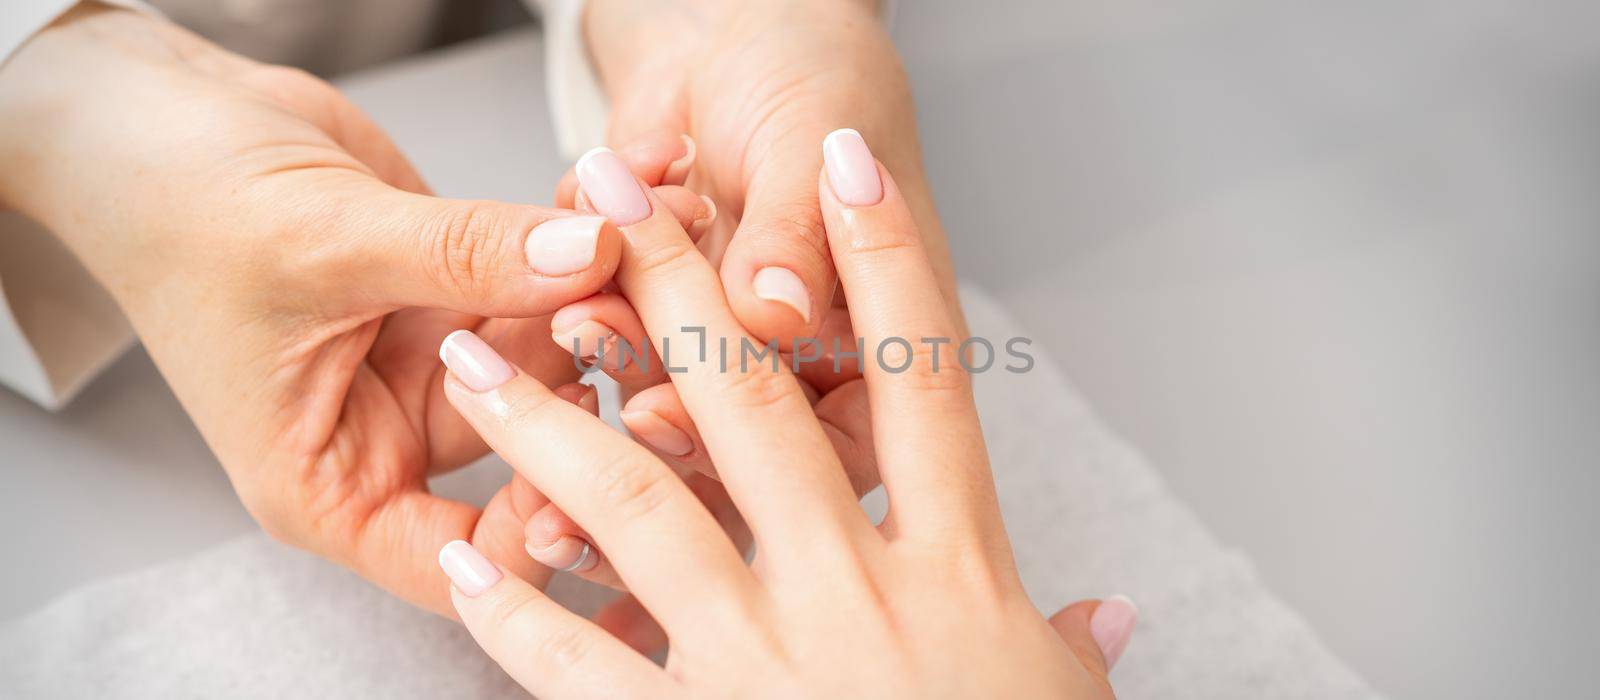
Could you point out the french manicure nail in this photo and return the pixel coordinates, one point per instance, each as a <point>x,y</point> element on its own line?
<point>590,401</point>
<point>1112,626</point>
<point>699,227</point>
<point>473,362</point>
<point>565,245</point>
<point>611,187</point>
<point>680,168</point>
<point>851,168</point>
<point>657,432</point>
<point>567,554</point>
<point>782,285</point>
<point>587,339</point>
<point>470,571</point>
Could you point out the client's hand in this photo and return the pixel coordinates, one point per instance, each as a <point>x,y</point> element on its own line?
<point>274,252</point>
<point>926,604</point>
<point>756,85</point>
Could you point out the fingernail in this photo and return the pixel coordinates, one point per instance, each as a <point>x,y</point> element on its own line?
<point>680,168</point>
<point>782,285</point>
<point>590,401</point>
<point>568,554</point>
<point>851,169</point>
<point>698,227</point>
<point>611,187</point>
<point>470,571</point>
<point>657,432</point>
<point>473,362</point>
<point>565,245</point>
<point>1112,626</point>
<point>587,339</point>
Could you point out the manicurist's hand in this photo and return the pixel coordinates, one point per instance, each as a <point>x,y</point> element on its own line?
<point>927,604</point>
<point>756,85</point>
<point>289,273</point>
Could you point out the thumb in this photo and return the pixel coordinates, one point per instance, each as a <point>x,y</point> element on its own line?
<point>777,270</point>
<point>1097,631</point>
<point>390,249</point>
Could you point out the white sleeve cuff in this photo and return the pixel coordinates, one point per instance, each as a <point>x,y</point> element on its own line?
<point>24,18</point>
<point>578,104</point>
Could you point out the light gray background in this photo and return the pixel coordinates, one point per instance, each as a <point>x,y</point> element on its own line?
<point>1335,267</point>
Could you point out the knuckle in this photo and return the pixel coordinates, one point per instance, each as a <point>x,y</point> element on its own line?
<point>507,610</point>
<point>629,488</point>
<point>521,408</point>
<point>463,247</point>
<point>885,244</point>
<point>666,259</point>
<point>757,389</point>
<point>796,225</point>
<point>562,646</point>
<point>918,370</point>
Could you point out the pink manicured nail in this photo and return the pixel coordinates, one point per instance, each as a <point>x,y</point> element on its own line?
<point>567,554</point>
<point>657,432</point>
<point>473,362</point>
<point>1112,626</point>
<point>783,286</point>
<point>587,337</point>
<point>565,245</point>
<point>611,187</point>
<point>851,169</point>
<point>590,401</point>
<point>468,569</point>
<point>679,169</point>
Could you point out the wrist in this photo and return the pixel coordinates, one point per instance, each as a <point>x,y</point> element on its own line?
<point>49,88</point>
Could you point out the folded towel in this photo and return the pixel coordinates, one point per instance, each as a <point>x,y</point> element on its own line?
<point>1087,516</point>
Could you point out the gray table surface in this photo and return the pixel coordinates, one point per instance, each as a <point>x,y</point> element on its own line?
<point>1334,267</point>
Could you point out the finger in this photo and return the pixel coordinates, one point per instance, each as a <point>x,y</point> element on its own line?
<point>603,331</point>
<point>1097,631</point>
<point>556,541</point>
<point>553,539</point>
<point>524,342</point>
<point>835,356</point>
<point>630,623</point>
<point>388,249</point>
<point>930,449</point>
<point>652,528</point>
<point>658,157</point>
<point>847,418</point>
<point>657,418</point>
<point>795,492</point>
<point>776,269</point>
<point>544,647</point>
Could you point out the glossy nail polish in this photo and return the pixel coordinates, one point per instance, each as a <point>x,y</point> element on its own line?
<point>585,340</point>
<point>470,571</point>
<point>782,285</point>
<point>473,362</point>
<point>656,432</point>
<point>851,169</point>
<point>565,245</point>
<point>611,187</point>
<point>567,554</point>
<point>1112,626</point>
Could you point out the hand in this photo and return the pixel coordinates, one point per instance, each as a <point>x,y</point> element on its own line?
<point>926,604</point>
<point>756,86</point>
<point>286,270</point>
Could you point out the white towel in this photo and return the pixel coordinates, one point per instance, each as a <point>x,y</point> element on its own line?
<point>1088,518</point>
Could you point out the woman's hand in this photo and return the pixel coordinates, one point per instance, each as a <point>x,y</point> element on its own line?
<point>287,270</point>
<point>757,85</point>
<point>926,604</point>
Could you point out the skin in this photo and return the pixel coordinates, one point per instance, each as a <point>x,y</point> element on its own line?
<point>288,271</point>
<point>931,596</point>
<point>757,85</point>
